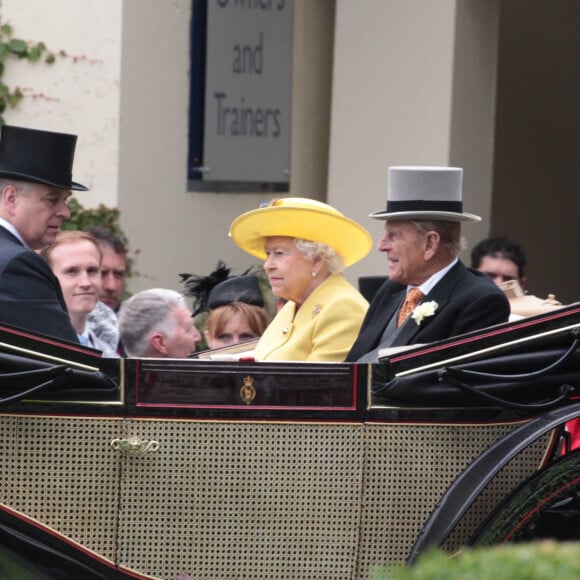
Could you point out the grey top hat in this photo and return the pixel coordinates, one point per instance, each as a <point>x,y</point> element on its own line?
<point>429,193</point>
<point>244,288</point>
<point>38,156</point>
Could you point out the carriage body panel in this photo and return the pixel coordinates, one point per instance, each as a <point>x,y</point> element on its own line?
<point>156,468</point>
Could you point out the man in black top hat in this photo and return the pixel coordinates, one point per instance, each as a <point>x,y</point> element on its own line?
<point>35,184</point>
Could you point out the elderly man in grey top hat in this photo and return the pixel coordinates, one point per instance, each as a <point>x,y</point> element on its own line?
<point>429,294</point>
<point>35,183</point>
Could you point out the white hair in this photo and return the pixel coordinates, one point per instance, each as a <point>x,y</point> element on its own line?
<point>330,256</point>
<point>143,314</point>
<point>449,233</point>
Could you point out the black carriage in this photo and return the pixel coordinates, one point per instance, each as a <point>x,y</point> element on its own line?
<point>150,468</point>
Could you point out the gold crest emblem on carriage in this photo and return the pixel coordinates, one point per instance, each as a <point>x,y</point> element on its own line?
<point>248,391</point>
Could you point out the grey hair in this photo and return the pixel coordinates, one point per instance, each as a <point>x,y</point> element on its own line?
<point>311,250</point>
<point>22,186</point>
<point>449,233</point>
<point>143,314</point>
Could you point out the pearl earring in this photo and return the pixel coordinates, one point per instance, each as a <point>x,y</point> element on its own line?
<point>313,274</point>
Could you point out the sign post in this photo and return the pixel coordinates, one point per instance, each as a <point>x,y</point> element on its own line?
<point>247,97</point>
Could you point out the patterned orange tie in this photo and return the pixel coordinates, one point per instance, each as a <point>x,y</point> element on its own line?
<point>414,296</point>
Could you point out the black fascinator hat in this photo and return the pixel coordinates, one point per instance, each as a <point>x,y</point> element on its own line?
<point>219,288</point>
<point>245,288</point>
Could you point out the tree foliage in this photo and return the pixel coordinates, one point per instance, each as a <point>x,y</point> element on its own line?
<point>82,218</point>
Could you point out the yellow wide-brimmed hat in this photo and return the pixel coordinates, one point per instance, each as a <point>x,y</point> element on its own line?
<point>300,217</point>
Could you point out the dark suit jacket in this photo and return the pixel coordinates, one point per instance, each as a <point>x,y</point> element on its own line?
<point>467,300</point>
<point>30,294</point>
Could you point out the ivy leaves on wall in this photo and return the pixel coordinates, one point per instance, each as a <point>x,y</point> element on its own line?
<point>16,48</point>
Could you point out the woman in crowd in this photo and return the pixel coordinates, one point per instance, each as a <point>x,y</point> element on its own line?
<point>234,323</point>
<point>75,258</point>
<point>235,306</point>
<point>306,244</point>
<point>236,312</point>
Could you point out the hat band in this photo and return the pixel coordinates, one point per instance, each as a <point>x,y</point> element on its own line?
<point>423,205</point>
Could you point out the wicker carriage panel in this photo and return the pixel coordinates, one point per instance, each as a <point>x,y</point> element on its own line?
<point>516,471</point>
<point>245,500</point>
<point>405,476</point>
<point>63,473</point>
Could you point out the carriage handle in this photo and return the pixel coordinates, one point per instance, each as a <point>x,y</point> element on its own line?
<point>453,376</point>
<point>452,372</point>
<point>565,392</point>
<point>55,376</point>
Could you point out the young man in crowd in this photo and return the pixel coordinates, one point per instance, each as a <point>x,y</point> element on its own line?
<point>75,259</point>
<point>501,259</point>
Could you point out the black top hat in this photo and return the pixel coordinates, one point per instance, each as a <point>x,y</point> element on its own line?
<point>38,156</point>
<point>236,289</point>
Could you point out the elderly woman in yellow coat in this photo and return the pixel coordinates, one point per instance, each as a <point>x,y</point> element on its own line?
<point>305,245</point>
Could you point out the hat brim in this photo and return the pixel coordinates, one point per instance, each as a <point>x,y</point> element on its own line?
<point>30,178</point>
<point>446,216</point>
<point>250,230</point>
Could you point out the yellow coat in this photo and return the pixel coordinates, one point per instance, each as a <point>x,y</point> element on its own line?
<point>322,330</point>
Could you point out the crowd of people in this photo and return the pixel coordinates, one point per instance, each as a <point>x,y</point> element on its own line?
<point>70,285</point>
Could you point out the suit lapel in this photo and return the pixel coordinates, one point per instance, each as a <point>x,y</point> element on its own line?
<point>383,314</point>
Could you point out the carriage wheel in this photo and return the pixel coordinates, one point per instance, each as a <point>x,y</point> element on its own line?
<point>547,505</point>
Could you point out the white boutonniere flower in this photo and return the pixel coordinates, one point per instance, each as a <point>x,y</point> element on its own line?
<point>423,310</point>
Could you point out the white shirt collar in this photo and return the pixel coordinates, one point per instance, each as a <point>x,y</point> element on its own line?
<point>431,282</point>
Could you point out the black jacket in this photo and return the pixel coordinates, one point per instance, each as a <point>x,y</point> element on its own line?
<point>466,300</point>
<point>30,294</point>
